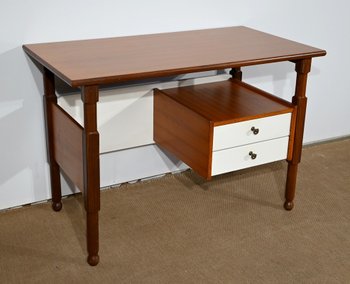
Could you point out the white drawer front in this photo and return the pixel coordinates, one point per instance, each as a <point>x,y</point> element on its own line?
<point>240,133</point>
<point>238,158</point>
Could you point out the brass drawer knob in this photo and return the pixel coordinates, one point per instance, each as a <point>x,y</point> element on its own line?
<point>255,130</point>
<point>252,155</point>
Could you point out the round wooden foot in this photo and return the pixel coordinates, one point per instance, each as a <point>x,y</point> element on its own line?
<point>57,206</point>
<point>288,205</point>
<point>93,260</point>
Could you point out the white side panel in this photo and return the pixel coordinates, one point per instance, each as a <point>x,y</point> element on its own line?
<point>240,133</point>
<point>125,124</point>
<point>238,158</point>
<point>125,114</point>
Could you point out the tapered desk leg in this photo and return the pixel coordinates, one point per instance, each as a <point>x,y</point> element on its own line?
<point>50,99</point>
<point>302,68</point>
<point>91,171</point>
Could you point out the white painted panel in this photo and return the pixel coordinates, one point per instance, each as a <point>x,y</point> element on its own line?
<point>238,158</point>
<point>125,123</point>
<point>240,133</point>
<point>125,114</point>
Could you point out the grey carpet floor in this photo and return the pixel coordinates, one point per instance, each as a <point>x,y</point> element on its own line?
<point>182,229</point>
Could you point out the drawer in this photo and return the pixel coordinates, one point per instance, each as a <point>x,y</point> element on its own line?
<point>209,126</point>
<point>251,131</point>
<point>236,158</point>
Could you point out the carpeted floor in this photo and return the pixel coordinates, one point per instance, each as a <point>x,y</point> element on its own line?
<point>181,229</point>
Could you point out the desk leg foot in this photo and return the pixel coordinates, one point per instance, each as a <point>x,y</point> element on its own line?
<point>93,260</point>
<point>56,206</point>
<point>288,205</point>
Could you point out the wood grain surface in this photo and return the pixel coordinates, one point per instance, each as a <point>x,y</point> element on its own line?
<point>229,101</point>
<point>183,132</point>
<point>111,60</point>
<point>68,149</point>
<point>184,117</point>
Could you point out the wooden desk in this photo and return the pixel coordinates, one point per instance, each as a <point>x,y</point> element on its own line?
<point>88,64</point>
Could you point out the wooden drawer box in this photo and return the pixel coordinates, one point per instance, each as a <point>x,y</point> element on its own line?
<point>223,126</point>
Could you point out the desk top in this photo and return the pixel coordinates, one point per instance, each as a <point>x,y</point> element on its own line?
<point>112,60</point>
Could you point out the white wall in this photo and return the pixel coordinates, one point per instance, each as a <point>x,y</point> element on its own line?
<point>23,168</point>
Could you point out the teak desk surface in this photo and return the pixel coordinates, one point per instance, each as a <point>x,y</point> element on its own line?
<point>110,60</point>
<point>87,64</point>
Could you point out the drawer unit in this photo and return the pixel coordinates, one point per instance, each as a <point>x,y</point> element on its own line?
<point>213,127</point>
